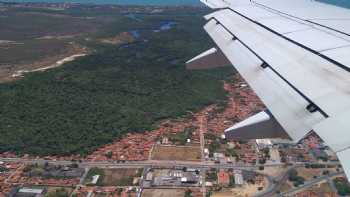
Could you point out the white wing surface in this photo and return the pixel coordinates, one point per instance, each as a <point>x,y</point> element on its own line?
<point>295,54</point>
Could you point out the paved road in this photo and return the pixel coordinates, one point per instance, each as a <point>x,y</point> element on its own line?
<point>202,130</point>
<point>276,184</point>
<point>310,183</point>
<point>152,163</point>
<point>135,164</point>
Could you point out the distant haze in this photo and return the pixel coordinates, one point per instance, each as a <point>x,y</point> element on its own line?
<point>118,2</point>
<point>341,3</point>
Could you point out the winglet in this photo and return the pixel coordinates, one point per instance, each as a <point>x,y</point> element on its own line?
<point>258,126</point>
<point>211,58</point>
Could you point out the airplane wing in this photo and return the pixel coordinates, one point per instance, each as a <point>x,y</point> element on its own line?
<point>295,54</point>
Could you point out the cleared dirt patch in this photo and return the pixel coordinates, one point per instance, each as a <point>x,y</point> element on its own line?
<point>54,189</point>
<point>187,153</point>
<point>120,177</point>
<point>163,193</point>
<point>308,173</point>
<point>115,177</point>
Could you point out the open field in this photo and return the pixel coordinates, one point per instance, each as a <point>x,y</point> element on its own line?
<point>286,186</point>
<point>34,38</point>
<point>163,193</point>
<point>120,177</point>
<point>114,177</point>
<point>51,191</point>
<point>183,153</point>
<point>308,173</point>
<point>245,190</point>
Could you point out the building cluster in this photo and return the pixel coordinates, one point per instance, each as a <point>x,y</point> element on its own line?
<point>241,104</point>
<point>187,177</point>
<point>137,146</point>
<point>247,152</point>
<point>27,192</point>
<point>7,170</point>
<point>236,178</point>
<point>318,148</point>
<point>20,174</point>
<point>244,151</point>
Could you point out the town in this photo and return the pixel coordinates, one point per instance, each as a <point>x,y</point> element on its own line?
<point>185,155</point>
<point>188,156</point>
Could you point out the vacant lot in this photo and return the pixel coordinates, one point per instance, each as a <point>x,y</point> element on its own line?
<point>121,177</point>
<point>308,173</point>
<point>114,177</point>
<point>189,153</point>
<point>163,193</point>
<point>59,190</point>
<point>243,191</point>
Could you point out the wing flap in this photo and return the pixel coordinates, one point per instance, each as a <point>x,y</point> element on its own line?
<point>286,105</point>
<point>326,84</point>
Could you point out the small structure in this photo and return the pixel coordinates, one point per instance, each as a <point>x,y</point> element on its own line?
<point>218,156</point>
<point>223,136</point>
<point>28,192</point>
<point>238,177</point>
<point>263,143</point>
<point>149,176</point>
<point>223,178</point>
<point>95,179</point>
<point>165,140</point>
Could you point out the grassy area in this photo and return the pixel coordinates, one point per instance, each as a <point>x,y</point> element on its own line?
<point>163,193</point>
<point>84,104</point>
<point>343,187</point>
<point>113,177</point>
<point>58,192</point>
<point>31,50</point>
<point>183,153</point>
<point>92,172</point>
<point>3,169</point>
<point>181,137</point>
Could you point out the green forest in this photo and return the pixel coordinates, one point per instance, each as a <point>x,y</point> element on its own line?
<point>117,89</point>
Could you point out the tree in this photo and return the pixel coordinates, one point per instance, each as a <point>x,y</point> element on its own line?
<point>109,154</point>
<point>188,193</point>
<point>232,181</point>
<point>293,176</point>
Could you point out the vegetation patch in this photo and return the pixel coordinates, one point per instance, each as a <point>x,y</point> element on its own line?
<point>181,137</point>
<point>295,178</point>
<point>163,193</point>
<point>118,89</point>
<point>114,177</point>
<point>181,153</point>
<point>342,186</point>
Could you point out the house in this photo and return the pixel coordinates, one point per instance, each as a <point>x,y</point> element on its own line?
<point>223,178</point>
<point>238,179</point>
